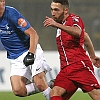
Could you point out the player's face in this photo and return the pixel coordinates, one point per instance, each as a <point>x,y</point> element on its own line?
<point>2,4</point>
<point>58,12</point>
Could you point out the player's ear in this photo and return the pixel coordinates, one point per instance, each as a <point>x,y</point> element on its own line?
<point>66,11</point>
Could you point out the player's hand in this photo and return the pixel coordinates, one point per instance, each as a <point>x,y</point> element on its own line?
<point>96,61</point>
<point>49,22</point>
<point>28,59</point>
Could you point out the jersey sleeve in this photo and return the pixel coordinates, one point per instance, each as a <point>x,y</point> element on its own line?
<point>19,21</point>
<point>77,21</point>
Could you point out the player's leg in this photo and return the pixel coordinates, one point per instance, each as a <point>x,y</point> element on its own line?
<point>20,88</point>
<point>66,95</point>
<point>63,87</point>
<point>88,83</point>
<point>42,85</point>
<point>69,94</point>
<point>56,93</point>
<point>39,69</point>
<point>37,87</point>
<point>21,82</point>
<point>40,81</point>
<point>33,88</point>
<point>18,85</point>
<point>19,76</point>
<point>95,94</point>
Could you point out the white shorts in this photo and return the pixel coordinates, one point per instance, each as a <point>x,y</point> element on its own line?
<point>40,65</point>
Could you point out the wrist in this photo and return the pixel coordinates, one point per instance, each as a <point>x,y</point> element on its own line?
<point>92,57</point>
<point>30,53</point>
<point>28,59</point>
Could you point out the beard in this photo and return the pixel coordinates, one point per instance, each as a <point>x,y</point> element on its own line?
<point>60,18</point>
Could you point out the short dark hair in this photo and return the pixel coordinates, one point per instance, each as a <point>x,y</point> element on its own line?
<point>63,2</point>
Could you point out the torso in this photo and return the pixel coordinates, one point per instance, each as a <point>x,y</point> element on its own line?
<point>70,48</point>
<point>12,34</point>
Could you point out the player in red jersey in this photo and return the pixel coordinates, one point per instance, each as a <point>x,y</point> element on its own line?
<point>76,67</point>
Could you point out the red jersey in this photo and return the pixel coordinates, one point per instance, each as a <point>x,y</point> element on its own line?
<point>71,49</point>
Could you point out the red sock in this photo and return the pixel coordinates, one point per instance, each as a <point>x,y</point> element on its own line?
<point>56,98</point>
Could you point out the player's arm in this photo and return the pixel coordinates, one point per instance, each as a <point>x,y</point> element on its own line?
<point>90,48</point>
<point>33,39</point>
<point>22,24</point>
<point>29,58</point>
<point>72,30</point>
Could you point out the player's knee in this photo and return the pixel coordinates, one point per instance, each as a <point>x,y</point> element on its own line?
<point>54,92</point>
<point>16,92</point>
<point>96,97</point>
<point>19,92</point>
<point>57,91</point>
<point>95,94</point>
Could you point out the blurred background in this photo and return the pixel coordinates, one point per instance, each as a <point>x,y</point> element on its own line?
<point>35,11</point>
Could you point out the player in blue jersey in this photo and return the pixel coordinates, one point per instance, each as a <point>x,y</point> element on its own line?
<point>26,56</point>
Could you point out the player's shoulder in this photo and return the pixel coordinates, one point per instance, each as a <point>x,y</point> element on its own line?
<point>10,9</point>
<point>74,15</point>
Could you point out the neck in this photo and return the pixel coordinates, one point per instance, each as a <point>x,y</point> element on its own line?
<point>2,12</point>
<point>65,17</point>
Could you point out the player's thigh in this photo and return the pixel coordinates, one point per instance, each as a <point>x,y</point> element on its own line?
<point>39,77</point>
<point>17,82</point>
<point>68,95</point>
<point>66,91</point>
<point>40,81</point>
<point>95,94</point>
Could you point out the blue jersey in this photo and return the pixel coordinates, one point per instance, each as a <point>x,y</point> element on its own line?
<point>12,27</point>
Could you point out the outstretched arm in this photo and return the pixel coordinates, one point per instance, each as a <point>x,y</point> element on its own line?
<point>72,30</point>
<point>29,58</point>
<point>33,39</point>
<point>89,46</point>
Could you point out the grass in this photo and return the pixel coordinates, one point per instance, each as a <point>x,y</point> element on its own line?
<point>80,96</point>
<point>10,96</point>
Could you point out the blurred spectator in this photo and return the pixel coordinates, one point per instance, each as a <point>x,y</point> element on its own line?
<point>96,32</point>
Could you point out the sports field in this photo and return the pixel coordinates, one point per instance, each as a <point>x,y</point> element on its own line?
<point>10,96</point>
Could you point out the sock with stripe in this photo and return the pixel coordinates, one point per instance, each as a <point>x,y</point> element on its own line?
<point>56,98</point>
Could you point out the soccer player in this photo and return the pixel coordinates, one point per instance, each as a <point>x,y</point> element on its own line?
<point>28,64</point>
<point>76,66</point>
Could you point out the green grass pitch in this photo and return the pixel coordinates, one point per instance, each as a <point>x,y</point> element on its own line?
<point>10,96</point>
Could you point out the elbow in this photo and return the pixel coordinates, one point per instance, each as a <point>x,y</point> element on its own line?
<point>77,32</point>
<point>37,37</point>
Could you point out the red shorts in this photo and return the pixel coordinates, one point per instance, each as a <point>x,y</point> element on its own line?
<point>72,89</point>
<point>80,74</point>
